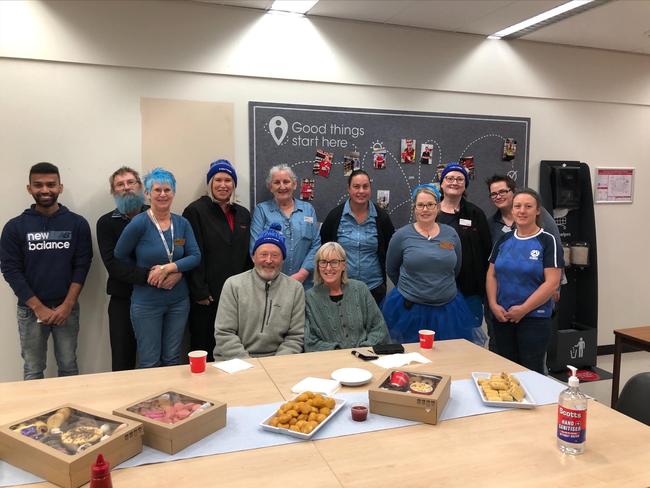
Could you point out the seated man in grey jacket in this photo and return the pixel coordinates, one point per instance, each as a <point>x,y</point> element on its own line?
<point>261,312</point>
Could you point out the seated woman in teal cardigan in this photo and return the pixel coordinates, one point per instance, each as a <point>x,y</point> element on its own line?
<point>339,312</point>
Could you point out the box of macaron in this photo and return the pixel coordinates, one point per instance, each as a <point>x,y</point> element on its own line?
<point>174,419</point>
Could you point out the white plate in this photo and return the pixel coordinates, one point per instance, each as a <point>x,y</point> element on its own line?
<point>527,402</point>
<point>265,424</point>
<point>352,376</point>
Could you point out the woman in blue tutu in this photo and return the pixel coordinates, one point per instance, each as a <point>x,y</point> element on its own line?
<point>423,260</point>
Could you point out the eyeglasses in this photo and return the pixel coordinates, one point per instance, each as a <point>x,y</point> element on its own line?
<point>499,193</point>
<point>334,263</point>
<point>124,184</point>
<point>455,179</point>
<point>428,206</point>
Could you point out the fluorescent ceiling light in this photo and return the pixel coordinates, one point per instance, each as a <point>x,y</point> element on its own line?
<point>294,6</point>
<point>538,19</point>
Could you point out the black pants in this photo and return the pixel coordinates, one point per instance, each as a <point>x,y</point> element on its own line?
<point>123,344</point>
<point>201,322</point>
<point>525,342</point>
<point>379,293</point>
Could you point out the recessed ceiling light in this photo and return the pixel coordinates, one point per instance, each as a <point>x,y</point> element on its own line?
<point>294,6</point>
<point>545,18</point>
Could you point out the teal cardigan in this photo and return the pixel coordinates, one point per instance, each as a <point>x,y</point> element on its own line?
<point>353,322</point>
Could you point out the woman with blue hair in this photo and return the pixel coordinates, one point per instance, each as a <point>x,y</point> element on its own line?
<point>423,260</point>
<point>164,243</point>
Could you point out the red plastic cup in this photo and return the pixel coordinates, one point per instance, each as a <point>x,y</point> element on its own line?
<point>359,412</point>
<point>197,361</point>
<point>399,379</point>
<point>426,338</point>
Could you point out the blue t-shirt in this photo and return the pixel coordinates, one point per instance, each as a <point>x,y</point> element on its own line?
<point>423,269</point>
<point>141,238</point>
<point>519,264</point>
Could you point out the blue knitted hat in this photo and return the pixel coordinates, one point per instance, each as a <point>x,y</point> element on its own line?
<point>455,167</point>
<point>221,166</point>
<point>272,236</point>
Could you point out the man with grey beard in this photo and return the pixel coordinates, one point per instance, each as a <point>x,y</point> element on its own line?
<point>261,311</point>
<point>126,189</point>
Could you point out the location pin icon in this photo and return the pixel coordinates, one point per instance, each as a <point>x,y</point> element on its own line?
<point>278,124</point>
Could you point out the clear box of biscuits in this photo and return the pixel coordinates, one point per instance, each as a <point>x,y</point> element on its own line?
<point>407,382</point>
<point>169,407</point>
<point>67,430</point>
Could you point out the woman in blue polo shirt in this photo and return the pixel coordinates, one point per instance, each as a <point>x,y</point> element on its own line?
<point>297,220</point>
<point>524,272</point>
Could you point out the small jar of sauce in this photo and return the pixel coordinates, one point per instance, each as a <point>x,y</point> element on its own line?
<point>359,412</point>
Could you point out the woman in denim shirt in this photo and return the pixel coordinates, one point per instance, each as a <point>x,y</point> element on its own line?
<point>297,219</point>
<point>364,230</point>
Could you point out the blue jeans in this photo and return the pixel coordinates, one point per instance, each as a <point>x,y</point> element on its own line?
<point>524,343</point>
<point>159,332</point>
<point>33,343</point>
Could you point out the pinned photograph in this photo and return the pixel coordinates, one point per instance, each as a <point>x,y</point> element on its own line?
<point>425,155</point>
<point>509,149</point>
<point>438,176</point>
<point>378,155</point>
<point>383,198</point>
<point>322,163</point>
<point>467,162</point>
<point>307,187</point>
<point>350,163</point>
<point>408,151</point>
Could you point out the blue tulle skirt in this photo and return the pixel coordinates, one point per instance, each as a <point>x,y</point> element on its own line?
<point>453,320</point>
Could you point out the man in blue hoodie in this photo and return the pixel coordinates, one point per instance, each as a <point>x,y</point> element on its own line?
<point>45,255</point>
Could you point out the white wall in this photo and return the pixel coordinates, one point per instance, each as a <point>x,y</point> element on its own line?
<point>72,74</point>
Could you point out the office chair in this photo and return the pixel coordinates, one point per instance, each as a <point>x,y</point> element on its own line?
<point>634,400</point>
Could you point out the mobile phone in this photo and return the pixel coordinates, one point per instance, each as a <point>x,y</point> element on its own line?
<point>365,357</point>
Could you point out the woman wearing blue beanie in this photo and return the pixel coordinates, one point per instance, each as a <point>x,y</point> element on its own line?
<point>222,229</point>
<point>471,225</point>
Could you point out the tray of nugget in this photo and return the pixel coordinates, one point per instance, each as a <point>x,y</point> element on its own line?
<point>304,415</point>
<point>502,390</point>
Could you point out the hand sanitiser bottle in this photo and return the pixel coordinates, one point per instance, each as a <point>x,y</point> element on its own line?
<point>572,417</point>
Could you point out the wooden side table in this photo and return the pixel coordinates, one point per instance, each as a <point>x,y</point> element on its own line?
<point>635,336</point>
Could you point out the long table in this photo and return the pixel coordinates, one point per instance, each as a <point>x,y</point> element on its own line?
<point>634,336</point>
<point>510,448</point>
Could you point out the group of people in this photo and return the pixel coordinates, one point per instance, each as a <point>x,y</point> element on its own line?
<point>276,283</point>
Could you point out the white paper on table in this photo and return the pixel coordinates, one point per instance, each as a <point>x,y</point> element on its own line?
<point>317,385</point>
<point>397,360</point>
<point>232,365</point>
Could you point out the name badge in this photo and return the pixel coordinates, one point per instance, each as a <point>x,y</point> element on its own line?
<point>505,229</point>
<point>179,242</point>
<point>465,222</point>
<point>447,245</point>
<point>309,220</point>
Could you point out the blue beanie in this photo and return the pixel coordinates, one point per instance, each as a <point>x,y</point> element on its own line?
<point>455,167</point>
<point>272,236</point>
<point>221,166</point>
<point>428,186</point>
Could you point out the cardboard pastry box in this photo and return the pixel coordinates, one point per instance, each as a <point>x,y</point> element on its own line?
<point>411,395</point>
<point>172,421</point>
<point>61,444</point>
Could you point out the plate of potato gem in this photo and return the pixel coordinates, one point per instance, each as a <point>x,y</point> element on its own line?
<point>303,415</point>
<point>502,390</point>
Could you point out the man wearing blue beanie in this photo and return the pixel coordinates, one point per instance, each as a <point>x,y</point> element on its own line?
<point>261,312</point>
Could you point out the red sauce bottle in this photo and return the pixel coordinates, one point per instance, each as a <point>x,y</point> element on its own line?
<point>100,474</point>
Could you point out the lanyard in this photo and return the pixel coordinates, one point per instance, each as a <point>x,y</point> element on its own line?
<point>170,254</point>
